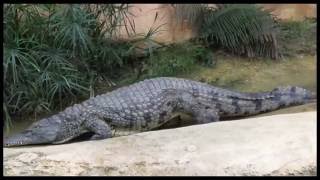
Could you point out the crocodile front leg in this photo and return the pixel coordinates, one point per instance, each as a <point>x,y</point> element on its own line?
<point>101,129</point>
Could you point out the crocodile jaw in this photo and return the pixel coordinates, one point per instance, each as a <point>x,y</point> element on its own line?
<point>10,142</point>
<point>20,139</point>
<point>31,136</point>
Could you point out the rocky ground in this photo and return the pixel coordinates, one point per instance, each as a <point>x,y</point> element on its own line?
<point>271,145</point>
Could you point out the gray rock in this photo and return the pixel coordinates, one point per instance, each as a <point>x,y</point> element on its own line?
<point>272,145</point>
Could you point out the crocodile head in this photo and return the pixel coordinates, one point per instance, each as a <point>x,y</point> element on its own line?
<point>41,132</point>
<point>294,95</point>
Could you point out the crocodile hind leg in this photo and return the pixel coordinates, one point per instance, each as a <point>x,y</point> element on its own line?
<point>204,114</point>
<point>201,112</point>
<point>101,129</point>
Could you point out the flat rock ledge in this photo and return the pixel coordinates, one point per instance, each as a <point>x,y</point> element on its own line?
<point>272,145</point>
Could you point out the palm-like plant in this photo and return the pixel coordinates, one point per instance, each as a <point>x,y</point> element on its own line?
<point>243,29</point>
<point>53,51</point>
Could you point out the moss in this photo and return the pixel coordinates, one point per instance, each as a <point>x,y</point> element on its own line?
<point>255,75</point>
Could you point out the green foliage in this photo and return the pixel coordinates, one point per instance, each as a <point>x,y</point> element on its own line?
<point>248,30</point>
<point>177,58</point>
<point>73,24</point>
<point>241,29</point>
<point>53,53</point>
<point>193,13</point>
<point>298,37</point>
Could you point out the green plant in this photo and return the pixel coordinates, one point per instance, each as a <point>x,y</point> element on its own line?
<point>177,58</point>
<point>243,29</point>
<point>297,37</point>
<point>193,13</point>
<point>54,53</point>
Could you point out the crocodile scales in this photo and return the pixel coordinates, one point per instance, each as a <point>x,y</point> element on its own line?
<point>148,104</point>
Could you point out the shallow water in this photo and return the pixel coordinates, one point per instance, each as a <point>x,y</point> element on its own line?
<point>248,76</point>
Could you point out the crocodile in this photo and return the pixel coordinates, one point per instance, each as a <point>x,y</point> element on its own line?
<point>150,103</point>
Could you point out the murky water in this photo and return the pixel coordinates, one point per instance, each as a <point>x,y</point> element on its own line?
<point>249,76</point>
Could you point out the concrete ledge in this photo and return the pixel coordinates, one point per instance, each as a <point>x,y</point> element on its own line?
<point>272,145</point>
